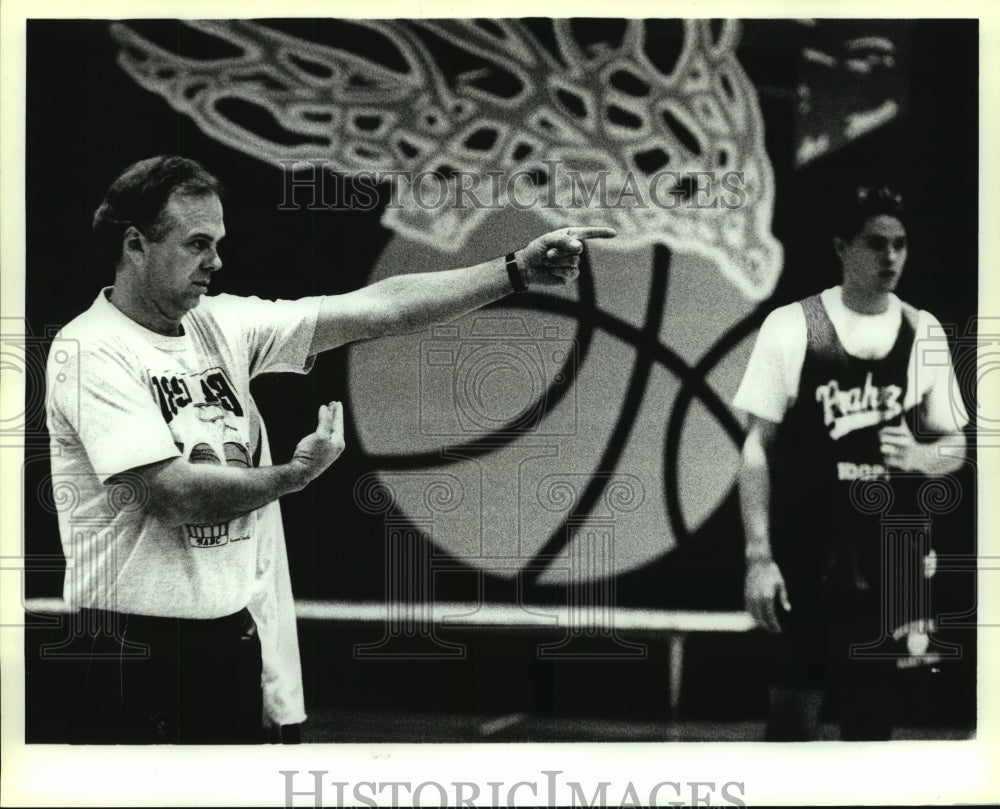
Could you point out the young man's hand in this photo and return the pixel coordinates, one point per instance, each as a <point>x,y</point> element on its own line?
<point>901,450</point>
<point>763,586</point>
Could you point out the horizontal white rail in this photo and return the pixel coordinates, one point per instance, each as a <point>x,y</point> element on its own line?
<point>676,624</point>
<point>470,614</point>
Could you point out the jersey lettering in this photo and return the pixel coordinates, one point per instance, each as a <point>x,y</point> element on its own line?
<point>206,424</point>
<point>208,536</point>
<point>172,392</point>
<point>845,411</point>
<point>861,471</point>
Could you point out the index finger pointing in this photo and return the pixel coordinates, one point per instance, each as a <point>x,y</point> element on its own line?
<point>591,233</point>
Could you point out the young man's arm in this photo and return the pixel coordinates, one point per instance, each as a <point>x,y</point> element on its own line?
<point>409,303</point>
<point>940,456</point>
<point>764,581</point>
<point>179,492</point>
<point>941,446</point>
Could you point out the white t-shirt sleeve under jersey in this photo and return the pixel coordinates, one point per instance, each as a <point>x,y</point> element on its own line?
<point>96,397</point>
<point>933,376</point>
<point>771,380</point>
<point>278,333</point>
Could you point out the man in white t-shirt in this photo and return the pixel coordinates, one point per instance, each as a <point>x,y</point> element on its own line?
<point>176,557</point>
<point>836,395</point>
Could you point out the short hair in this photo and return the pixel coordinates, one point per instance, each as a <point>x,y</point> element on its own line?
<point>864,202</point>
<point>139,198</point>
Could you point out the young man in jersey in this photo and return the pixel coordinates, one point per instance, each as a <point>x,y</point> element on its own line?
<point>175,548</point>
<point>834,396</point>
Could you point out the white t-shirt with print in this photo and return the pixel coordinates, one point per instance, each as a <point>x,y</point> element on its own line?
<point>771,382</point>
<point>121,396</point>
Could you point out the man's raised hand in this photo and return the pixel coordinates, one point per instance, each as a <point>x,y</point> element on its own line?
<point>321,448</point>
<point>554,258</point>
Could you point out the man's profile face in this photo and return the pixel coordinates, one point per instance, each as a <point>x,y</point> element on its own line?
<point>873,260</point>
<point>177,268</point>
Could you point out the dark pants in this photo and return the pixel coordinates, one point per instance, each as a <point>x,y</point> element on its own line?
<point>821,648</point>
<point>171,680</point>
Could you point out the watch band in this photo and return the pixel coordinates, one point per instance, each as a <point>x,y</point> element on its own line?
<point>517,279</point>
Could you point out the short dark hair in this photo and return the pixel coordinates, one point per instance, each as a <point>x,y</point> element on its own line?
<point>139,198</point>
<point>864,202</point>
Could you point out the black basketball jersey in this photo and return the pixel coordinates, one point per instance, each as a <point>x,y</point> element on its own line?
<point>827,441</point>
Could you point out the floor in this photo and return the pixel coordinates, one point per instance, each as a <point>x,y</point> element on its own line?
<point>350,726</point>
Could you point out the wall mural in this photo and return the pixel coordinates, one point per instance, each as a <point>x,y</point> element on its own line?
<point>530,438</point>
<point>488,95</point>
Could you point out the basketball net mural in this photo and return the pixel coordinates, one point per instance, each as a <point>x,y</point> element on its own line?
<point>564,435</point>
